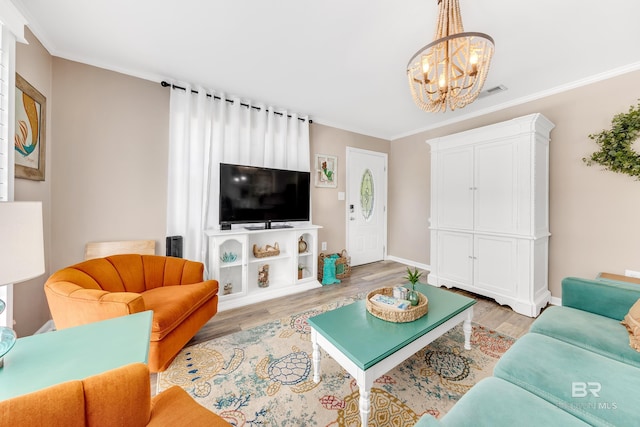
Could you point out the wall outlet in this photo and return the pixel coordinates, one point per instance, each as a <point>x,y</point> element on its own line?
<point>324,247</point>
<point>632,273</point>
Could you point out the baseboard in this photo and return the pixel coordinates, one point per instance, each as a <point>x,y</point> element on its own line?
<point>47,327</point>
<point>555,301</point>
<point>409,262</point>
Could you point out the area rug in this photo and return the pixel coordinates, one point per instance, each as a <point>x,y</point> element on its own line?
<point>263,377</point>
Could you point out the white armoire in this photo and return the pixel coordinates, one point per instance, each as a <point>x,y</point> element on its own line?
<point>489,222</point>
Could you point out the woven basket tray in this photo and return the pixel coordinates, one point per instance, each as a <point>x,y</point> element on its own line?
<point>268,250</point>
<point>393,314</point>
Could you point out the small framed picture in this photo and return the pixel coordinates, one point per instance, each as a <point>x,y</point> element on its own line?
<point>29,138</point>
<point>326,171</point>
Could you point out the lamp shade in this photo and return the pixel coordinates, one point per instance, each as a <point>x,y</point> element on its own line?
<point>21,241</point>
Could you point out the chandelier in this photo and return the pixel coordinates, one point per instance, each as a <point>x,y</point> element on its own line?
<point>451,70</point>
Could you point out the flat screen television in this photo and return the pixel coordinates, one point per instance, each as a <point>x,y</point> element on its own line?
<point>251,194</point>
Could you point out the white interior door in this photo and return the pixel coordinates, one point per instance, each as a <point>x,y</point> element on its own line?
<point>366,179</point>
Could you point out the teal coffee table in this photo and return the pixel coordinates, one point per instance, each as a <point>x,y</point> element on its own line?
<point>368,347</point>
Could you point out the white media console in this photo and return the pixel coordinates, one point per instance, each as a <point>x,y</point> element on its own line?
<point>233,264</point>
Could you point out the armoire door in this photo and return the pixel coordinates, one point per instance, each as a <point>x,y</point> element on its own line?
<point>455,259</point>
<point>455,189</point>
<point>495,188</point>
<point>495,261</point>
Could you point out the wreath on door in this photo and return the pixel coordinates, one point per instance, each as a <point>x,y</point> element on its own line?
<point>616,152</point>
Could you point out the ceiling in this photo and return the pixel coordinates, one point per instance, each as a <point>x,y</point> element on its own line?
<point>342,62</point>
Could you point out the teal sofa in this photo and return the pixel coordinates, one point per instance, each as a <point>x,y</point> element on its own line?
<point>574,368</point>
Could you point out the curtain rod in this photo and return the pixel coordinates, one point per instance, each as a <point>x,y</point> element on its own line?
<point>172,86</point>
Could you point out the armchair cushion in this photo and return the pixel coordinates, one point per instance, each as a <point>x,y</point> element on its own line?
<point>173,304</point>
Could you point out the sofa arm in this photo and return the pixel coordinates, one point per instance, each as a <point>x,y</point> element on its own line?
<point>72,305</point>
<point>608,298</point>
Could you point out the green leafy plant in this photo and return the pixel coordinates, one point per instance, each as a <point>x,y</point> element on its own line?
<point>616,153</point>
<point>413,277</point>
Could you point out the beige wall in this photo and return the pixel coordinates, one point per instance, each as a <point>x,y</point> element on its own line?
<point>409,201</point>
<point>30,309</point>
<point>110,162</point>
<point>593,213</point>
<point>327,210</point>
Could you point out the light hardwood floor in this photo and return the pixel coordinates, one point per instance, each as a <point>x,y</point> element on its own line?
<point>363,279</point>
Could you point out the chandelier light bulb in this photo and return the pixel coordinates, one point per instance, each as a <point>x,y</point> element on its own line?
<point>442,81</point>
<point>425,65</point>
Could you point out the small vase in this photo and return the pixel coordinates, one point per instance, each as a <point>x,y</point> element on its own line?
<point>413,297</point>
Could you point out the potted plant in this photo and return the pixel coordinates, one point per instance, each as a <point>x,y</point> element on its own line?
<point>413,277</point>
<point>301,269</point>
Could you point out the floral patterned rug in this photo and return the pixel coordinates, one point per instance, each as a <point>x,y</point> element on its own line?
<point>263,377</point>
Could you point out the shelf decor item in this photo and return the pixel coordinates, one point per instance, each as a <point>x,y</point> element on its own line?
<point>263,276</point>
<point>227,289</point>
<point>302,245</point>
<point>228,257</point>
<point>267,251</point>
<point>391,314</point>
<point>301,269</point>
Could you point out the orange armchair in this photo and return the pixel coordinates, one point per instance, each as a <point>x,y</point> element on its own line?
<point>120,397</point>
<point>119,285</point>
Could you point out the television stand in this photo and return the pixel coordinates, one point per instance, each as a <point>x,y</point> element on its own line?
<point>232,262</point>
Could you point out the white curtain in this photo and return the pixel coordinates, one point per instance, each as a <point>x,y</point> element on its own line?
<point>206,131</point>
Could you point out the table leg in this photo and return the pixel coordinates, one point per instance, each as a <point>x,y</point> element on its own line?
<point>466,327</point>
<point>315,356</point>
<point>365,406</point>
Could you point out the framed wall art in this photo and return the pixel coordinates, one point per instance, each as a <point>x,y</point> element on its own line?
<point>29,138</point>
<point>326,171</point>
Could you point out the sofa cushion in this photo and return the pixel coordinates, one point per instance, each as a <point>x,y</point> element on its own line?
<point>632,323</point>
<point>496,402</point>
<point>594,388</point>
<point>599,334</point>
<point>172,304</point>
